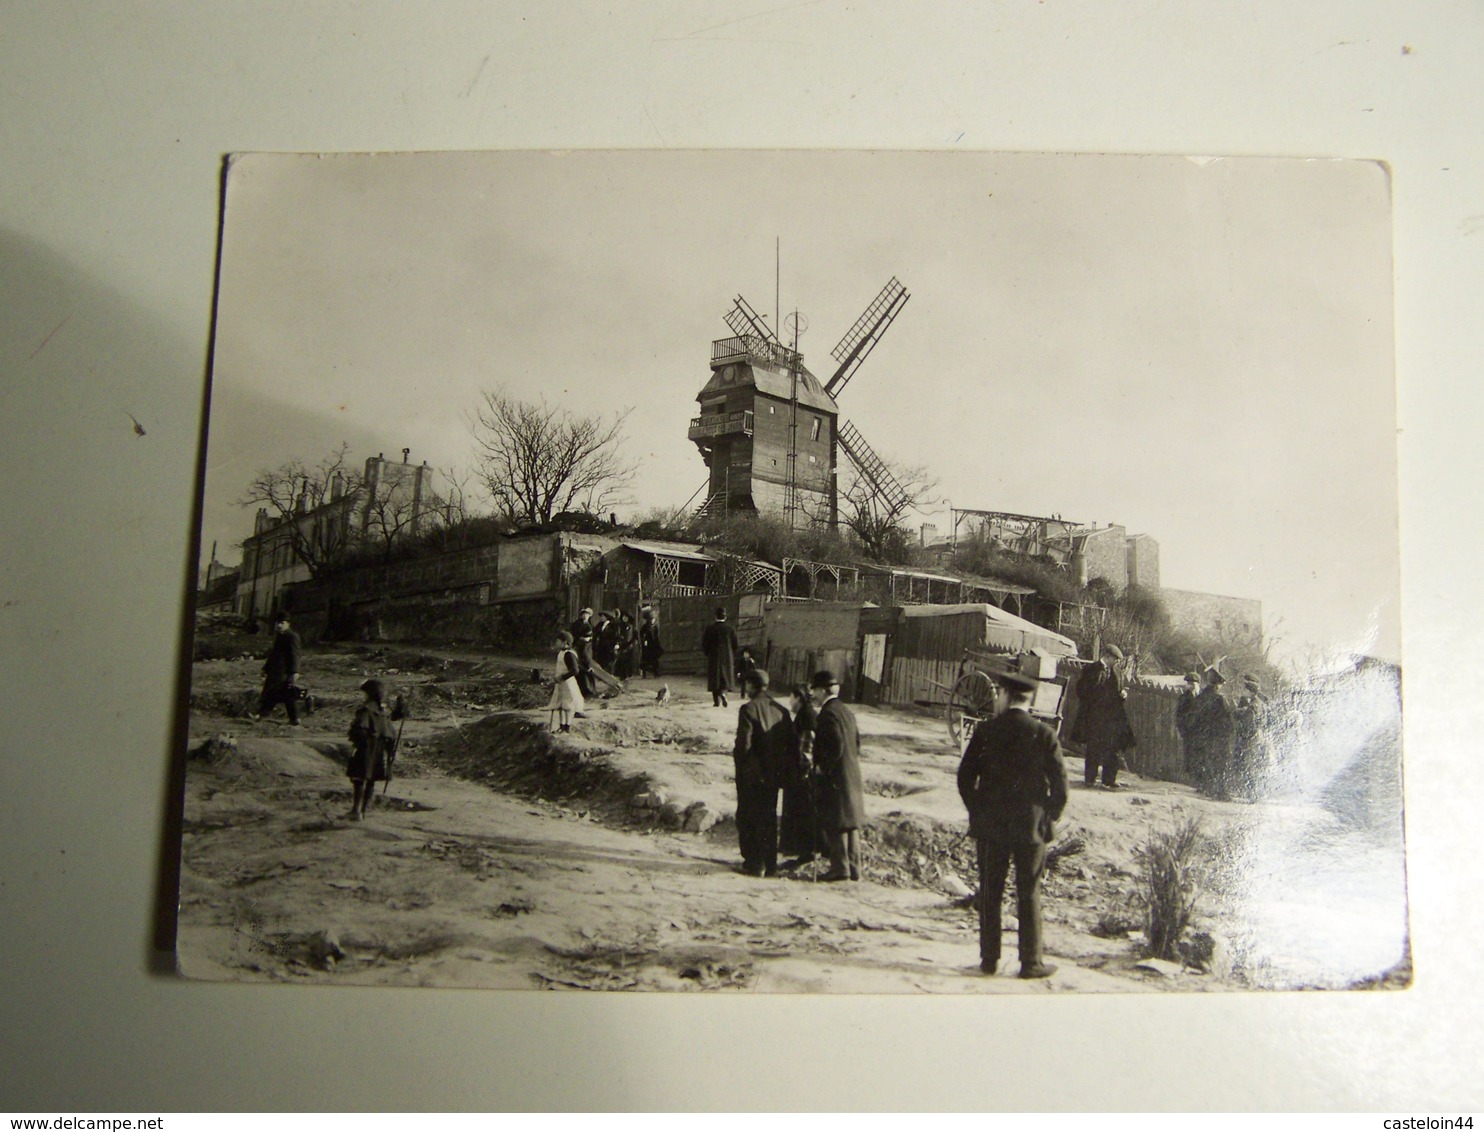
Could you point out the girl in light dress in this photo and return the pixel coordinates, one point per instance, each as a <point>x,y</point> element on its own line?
<point>566,697</point>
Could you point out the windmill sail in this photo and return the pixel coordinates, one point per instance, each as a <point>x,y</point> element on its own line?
<point>873,470</point>
<point>745,322</point>
<point>862,337</point>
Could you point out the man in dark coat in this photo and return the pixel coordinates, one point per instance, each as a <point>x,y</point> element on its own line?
<point>1249,743</point>
<point>281,672</point>
<point>1102,725</point>
<point>839,797</point>
<point>650,649</point>
<point>1209,750</point>
<point>1184,712</point>
<point>1014,783</point>
<point>762,747</point>
<point>582,643</point>
<point>719,643</point>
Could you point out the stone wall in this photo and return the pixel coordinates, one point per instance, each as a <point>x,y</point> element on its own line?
<point>1236,621</point>
<point>1106,554</point>
<point>1143,562</point>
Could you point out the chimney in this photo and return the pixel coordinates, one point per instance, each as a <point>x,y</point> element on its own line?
<point>406,452</point>
<point>929,533</point>
<point>337,486</point>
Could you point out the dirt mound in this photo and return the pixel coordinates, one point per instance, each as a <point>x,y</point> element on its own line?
<point>247,761</point>
<point>518,755</point>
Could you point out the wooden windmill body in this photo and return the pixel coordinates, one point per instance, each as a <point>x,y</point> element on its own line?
<point>770,431</point>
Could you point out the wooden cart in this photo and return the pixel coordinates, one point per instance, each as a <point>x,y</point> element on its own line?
<point>972,698</point>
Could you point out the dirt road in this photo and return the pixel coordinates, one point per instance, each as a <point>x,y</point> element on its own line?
<point>505,857</point>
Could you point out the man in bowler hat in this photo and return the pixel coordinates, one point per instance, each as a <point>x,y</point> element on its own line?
<point>1014,783</point>
<point>839,795</point>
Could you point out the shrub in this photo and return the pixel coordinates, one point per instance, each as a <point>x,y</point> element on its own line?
<point>1169,884</point>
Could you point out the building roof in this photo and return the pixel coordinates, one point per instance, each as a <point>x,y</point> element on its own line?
<point>667,549</point>
<point>1004,630</point>
<point>771,384</point>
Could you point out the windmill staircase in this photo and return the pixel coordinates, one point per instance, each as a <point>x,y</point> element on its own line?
<point>715,507</point>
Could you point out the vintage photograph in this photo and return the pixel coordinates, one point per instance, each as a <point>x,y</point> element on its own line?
<point>799,571</point>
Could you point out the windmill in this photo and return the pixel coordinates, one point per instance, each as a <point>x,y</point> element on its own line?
<point>770,431</point>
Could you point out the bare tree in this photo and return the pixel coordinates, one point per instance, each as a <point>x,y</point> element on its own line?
<point>294,495</point>
<point>537,461</point>
<point>876,521</point>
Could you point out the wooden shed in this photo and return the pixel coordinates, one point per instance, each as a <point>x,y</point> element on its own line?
<point>682,621</point>
<point>928,642</point>
<point>804,637</point>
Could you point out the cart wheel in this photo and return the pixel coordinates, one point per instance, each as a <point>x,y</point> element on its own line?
<point>972,700</point>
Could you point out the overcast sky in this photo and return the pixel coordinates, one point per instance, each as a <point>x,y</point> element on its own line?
<point>1198,350</point>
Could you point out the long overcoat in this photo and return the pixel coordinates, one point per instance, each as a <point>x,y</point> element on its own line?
<point>372,739</point>
<point>1013,780</point>
<point>1102,718</point>
<point>764,734</point>
<point>1208,739</point>
<point>719,643</point>
<point>839,799</point>
<point>283,659</point>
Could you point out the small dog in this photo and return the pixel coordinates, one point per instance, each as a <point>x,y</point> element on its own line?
<point>663,695</point>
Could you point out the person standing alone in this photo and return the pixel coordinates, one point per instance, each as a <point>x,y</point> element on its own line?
<point>719,643</point>
<point>373,747</point>
<point>1013,781</point>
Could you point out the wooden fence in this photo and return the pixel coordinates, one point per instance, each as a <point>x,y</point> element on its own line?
<point>1151,713</point>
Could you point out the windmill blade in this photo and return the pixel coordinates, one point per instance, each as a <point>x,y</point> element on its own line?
<point>862,337</point>
<point>746,322</point>
<point>873,469</point>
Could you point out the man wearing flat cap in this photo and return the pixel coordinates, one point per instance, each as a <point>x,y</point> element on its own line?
<point>1102,725</point>
<point>840,805</point>
<point>1013,782</point>
<point>1209,738</point>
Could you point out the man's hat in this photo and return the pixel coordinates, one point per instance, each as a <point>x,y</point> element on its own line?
<point>584,609</point>
<point>1192,677</point>
<point>1113,651</point>
<point>281,619</point>
<point>824,678</point>
<point>378,692</point>
<point>758,676</point>
<point>1017,681</point>
<point>1214,677</point>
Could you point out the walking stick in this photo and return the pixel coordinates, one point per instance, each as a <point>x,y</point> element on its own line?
<point>399,713</point>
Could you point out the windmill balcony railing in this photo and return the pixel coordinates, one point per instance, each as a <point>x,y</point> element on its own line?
<point>720,424</point>
<point>752,346</point>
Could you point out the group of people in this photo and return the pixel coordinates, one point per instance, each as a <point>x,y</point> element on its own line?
<point>611,646</point>
<point>1225,747</point>
<point>601,649</point>
<point>809,753</point>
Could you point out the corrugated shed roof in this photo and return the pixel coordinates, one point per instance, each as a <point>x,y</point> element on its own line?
<point>1005,630</point>
<point>667,549</point>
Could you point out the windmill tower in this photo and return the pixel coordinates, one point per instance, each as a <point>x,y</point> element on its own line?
<point>770,431</point>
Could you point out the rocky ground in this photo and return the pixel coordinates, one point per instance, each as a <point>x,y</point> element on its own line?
<point>504,856</point>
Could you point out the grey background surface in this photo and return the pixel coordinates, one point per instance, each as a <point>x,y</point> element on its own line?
<point>113,122</point>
